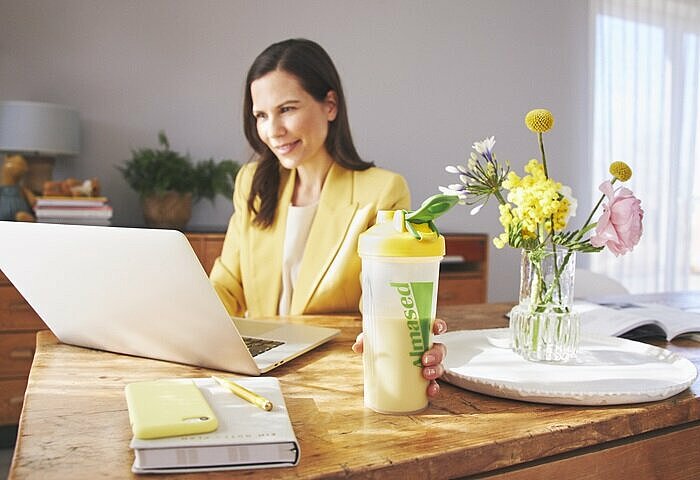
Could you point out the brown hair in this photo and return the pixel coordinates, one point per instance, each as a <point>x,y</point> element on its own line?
<point>314,69</point>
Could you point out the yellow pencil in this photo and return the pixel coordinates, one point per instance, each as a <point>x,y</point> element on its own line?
<point>245,394</point>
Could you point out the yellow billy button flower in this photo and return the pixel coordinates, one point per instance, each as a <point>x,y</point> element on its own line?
<point>621,171</point>
<point>539,120</point>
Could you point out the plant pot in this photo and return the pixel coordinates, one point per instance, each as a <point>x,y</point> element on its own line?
<point>167,210</point>
<point>543,325</point>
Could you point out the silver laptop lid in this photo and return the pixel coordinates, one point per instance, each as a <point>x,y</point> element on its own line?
<point>137,291</point>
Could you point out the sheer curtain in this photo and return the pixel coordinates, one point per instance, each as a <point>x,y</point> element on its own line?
<point>646,55</point>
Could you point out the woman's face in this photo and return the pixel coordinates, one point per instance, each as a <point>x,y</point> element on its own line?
<point>290,121</point>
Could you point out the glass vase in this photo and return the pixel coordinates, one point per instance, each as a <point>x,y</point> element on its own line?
<point>543,325</point>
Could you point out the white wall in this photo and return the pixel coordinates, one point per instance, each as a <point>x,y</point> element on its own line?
<point>423,80</point>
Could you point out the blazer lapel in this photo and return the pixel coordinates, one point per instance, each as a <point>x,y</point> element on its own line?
<point>335,211</point>
<point>267,246</point>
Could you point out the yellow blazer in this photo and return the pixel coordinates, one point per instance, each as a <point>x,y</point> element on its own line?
<point>248,274</point>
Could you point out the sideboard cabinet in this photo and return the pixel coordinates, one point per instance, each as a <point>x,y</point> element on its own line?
<point>18,325</point>
<point>463,272</point>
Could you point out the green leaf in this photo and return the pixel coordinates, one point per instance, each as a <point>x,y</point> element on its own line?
<point>152,171</point>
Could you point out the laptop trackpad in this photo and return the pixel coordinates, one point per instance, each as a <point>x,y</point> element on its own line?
<point>254,328</point>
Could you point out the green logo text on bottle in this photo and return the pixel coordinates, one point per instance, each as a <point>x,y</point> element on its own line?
<point>416,299</point>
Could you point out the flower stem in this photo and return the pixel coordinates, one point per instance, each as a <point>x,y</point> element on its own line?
<point>544,157</point>
<point>499,197</point>
<point>590,217</point>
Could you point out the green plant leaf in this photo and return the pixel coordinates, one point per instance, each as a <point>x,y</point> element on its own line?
<point>152,171</point>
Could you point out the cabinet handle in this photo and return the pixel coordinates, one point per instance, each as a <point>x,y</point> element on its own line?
<point>22,353</point>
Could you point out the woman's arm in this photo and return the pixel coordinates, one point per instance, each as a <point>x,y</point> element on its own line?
<point>225,275</point>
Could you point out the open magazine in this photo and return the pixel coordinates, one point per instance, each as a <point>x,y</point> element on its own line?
<point>637,320</point>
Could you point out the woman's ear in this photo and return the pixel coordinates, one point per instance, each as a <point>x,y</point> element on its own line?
<point>331,103</point>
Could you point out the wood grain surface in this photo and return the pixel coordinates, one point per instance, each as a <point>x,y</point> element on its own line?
<point>75,423</point>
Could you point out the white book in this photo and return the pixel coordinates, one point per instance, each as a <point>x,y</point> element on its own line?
<point>104,222</point>
<point>637,320</point>
<point>247,436</point>
<point>70,201</point>
<point>104,211</point>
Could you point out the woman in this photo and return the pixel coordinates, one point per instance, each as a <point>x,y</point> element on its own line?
<point>291,244</point>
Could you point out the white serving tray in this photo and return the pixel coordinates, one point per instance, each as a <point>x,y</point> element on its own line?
<point>606,370</point>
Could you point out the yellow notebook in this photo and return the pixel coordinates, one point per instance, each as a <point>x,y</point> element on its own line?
<point>168,408</point>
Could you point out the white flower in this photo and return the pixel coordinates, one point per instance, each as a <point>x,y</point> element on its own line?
<point>458,169</point>
<point>457,192</point>
<point>486,146</point>
<point>476,209</point>
<point>573,203</point>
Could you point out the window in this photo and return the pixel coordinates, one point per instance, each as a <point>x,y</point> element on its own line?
<point>646,113</point>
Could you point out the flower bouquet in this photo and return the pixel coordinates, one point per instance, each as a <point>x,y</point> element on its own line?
<point>535,211</point>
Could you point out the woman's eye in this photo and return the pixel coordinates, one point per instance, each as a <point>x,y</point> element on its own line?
<point>259,115</point>
<point>286,109</point>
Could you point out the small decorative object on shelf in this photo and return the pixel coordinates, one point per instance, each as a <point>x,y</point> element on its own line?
<point>16,201</point>
<point>534,211</point>
<point>73,201</point>
<point>72,187</point>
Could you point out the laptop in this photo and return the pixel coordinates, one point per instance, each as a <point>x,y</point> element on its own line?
<point>139,292</point>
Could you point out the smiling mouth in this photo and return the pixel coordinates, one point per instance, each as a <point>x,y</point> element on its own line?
<point>286,148</point>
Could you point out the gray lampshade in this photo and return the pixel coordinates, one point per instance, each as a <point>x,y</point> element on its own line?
<point>39,128</point>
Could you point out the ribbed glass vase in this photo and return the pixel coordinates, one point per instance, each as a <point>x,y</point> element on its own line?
<point>543,325</point>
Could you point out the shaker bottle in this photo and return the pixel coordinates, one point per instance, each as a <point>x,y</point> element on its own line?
<point>400,267</point>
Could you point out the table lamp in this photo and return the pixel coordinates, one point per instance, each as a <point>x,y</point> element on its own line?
<point>39,132</point>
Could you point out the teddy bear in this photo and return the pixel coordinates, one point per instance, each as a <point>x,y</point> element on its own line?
<point>16,201</point>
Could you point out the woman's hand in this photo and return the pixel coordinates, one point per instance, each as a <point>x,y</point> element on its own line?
<point>431,360</point>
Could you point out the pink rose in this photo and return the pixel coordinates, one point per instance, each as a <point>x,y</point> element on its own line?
<point>620,226</point>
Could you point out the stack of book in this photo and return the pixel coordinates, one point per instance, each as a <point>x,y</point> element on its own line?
<point>165,413</point>
<point>75,210</point>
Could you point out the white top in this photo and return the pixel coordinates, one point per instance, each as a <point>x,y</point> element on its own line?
<point>298,225</point>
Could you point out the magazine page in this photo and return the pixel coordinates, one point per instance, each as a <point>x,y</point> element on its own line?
<point>617,318</point>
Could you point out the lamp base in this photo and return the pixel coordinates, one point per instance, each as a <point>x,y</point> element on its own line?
<point>40,170</point>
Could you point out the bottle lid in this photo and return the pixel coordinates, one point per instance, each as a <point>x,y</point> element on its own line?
<point>399,233</point>
<point>389,237</point>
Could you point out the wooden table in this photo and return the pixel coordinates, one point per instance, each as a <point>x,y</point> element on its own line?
<point>75,425</point>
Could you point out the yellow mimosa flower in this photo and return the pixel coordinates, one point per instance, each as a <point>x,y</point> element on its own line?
<point>539,120</point>
<point>500,241</point>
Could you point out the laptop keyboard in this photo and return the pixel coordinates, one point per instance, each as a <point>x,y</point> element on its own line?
<point>260,345</point>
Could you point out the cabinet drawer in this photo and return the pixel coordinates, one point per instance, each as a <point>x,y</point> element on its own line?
<point>16,353</point>
<point>212,251</point>
<point>207,247</point>
<point>15,312</point>
<point>472,248</point>
<point>11,399</point>
<point>458,291</point>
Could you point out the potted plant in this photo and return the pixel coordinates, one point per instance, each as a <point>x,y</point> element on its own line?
<point>169,183</point>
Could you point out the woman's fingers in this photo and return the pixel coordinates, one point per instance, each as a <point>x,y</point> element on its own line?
<point>435,355</point>
<point>357,347</point>
<point>433,389</point>
<point>439,326</point>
